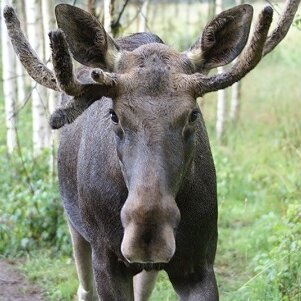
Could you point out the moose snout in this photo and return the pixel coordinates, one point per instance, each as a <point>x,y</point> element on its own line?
<point>149,233</point>
<point>143,245</point>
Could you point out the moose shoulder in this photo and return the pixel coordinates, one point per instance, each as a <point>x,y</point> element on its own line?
<point>136,173</point>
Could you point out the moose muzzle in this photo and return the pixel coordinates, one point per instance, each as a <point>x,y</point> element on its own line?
<point>149,229</point>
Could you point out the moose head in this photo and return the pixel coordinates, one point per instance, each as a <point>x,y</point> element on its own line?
<point>116,71</point>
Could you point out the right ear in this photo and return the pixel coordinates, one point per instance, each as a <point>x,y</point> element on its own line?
<point>223,39</point>
<point>89,43</point>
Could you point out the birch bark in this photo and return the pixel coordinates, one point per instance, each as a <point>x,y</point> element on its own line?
<point>91,7</point>
<point>20,73</point>
<point>235,92</point>
<point>9,86</point>
<point>142,18</point>
<point>221,95</point>
<point>39,96</point>
<point>107,15</point>
<point>49,24</point>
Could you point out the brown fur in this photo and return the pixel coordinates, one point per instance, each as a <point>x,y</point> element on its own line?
<point>139,190</point>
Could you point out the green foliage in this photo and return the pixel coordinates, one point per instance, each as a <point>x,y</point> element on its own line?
<point>259,189</point>
<point>55,275</point>
<point>281,265</point>
<point>31,212</point>
<point>163,290</point>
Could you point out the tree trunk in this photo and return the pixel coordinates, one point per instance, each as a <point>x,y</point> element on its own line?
<point>142,18</point>
<point>38,96</point>
<point>20,73</point>
<point>9,87</point>
<point>221,95</point>
<point>49,24</point>
<point>236,92</point>
<point>211,9</point>
<point>108,7</point>
<point>91,7</point>
<point>235,102</point>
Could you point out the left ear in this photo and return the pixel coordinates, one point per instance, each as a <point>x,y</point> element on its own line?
<point>223,39</point>
<point>88,42</point>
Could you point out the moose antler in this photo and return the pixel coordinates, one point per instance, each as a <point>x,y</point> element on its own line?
<point>283,26</point>
<point>84,93</point>
<point>259,45</point>
<point>62,79</point>
<point>27,56</point>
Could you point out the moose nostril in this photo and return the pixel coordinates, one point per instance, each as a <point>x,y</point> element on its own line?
<point>147,237</point>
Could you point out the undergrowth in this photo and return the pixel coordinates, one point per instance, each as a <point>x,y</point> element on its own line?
<point>259,191</point>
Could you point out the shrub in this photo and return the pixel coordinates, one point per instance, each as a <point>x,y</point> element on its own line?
<point>31,212</point>
<point>281,266</point>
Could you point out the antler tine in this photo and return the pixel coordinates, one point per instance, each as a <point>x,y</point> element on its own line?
<point>62,64</point>
<point>84,93</point>
<point>283,26</point>
<point>250,57</point>
<point>27,56</point>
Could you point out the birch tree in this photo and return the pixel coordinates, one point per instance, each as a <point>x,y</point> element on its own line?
<point>49,24</point>
<point>112,17</point>
<point>91,7</point>
<point>20,74</point>
<point>9,86</point>
<point>235,92</point>
<point>211,9</point>
<point>38,96</point>
<point>221,95</point>
<point>235,101</point>
<point>142,18</point>
<point>108,7</point>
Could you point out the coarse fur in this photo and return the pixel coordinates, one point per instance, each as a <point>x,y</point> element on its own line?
<point>141,190</point>
<point>136,172</point>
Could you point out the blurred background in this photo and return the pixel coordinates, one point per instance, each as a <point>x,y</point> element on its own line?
<point>255,133</point>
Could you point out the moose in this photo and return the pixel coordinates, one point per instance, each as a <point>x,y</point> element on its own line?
<point>136,174</point>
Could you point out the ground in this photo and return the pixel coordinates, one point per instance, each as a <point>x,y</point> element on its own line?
<point>14,287</point>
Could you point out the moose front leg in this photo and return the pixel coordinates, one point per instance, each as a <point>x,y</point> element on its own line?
<point>113,281</point>
<point>144,284</point>
<point>82,256</point>
<point>199,285</point>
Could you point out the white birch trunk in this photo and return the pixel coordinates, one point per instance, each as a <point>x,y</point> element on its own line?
<point>49,24</point>
<point>107,16</point>
<point>91,7</point>
<point>220,112</point>
<point>235,101</point>
<point>236,92</point>
<point>20,73</point>
<point>39,97</point>
<point>9,86</point>
<point>21,87</point>
<point>221,95</point>
<point>142,19</point>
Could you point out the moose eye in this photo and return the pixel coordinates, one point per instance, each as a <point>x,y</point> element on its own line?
<point>114,117</point>
<point>193,115</point>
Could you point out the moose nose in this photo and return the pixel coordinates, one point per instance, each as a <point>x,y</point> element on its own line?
<point>149,228</point>
<point>148,244</point>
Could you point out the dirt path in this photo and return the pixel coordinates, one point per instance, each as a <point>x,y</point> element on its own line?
<point>13,286</point>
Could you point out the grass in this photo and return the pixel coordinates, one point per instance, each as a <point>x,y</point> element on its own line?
<point>259,182</point>
<point>258,171</point>
<point>55,275</point>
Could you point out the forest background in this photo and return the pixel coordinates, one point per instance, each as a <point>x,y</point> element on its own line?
<point>255,137</point>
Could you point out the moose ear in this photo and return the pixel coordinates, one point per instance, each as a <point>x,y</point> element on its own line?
<point>89,43</point>
<point>223,38</point>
